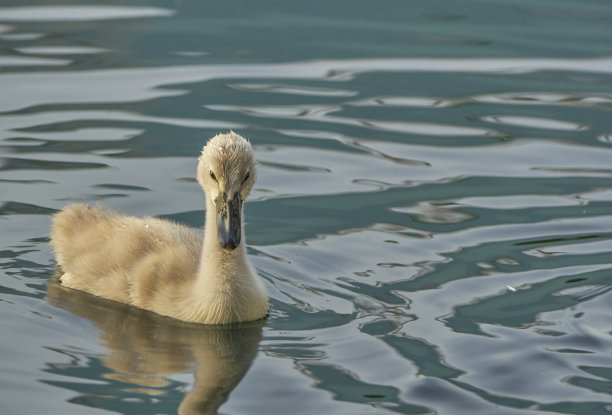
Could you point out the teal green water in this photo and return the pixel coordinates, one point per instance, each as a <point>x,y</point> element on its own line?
<point>432,217</point>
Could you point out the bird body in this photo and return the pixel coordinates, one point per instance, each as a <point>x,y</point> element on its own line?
<point>165,267</point>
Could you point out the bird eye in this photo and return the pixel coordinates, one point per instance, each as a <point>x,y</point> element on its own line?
<point>213,175</point>
<point>247,176</point>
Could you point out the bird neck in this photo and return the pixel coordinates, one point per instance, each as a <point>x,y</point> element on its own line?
<point>226,289</point>
<point>216,263</point>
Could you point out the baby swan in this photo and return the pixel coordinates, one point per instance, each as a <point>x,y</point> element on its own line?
<point>165,267</point>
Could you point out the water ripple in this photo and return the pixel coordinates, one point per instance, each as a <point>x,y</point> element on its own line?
<point>129,85</point>
<point>533,122</point>
<point>77,13</point>
<point>434,233</point>
<point>60,50</point>
<point>31,61</point>
<point>541,98</point>
<point>293,90</point>
<point>34,124</point>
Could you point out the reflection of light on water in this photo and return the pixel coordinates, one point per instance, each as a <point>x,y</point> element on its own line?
<point>400,202</point>
<point>520,158</point>
<point>60,50</point>
<point>397,101</point>
<point>575,248</point>
<point>135,84</point>
<point>605,138</point>
<point>293,90</point>
<point>533,122</point>
<point>78,13</point>
<point>538,98</point>
<point>436,212</point>
<point>518,201</point>
<point>15,122</point>
<point>30,61</point>
<point>85,134</point>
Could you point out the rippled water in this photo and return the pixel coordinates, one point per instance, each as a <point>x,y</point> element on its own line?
<point>432,219</point>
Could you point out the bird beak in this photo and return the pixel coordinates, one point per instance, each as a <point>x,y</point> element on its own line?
<point>228,221</point>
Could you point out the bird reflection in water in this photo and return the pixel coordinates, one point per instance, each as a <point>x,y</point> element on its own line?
<point>144,349</point>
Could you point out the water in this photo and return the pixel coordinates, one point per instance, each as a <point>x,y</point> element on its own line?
<point>432,218</point>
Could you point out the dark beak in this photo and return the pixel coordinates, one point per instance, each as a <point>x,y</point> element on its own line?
<point>228,221</point>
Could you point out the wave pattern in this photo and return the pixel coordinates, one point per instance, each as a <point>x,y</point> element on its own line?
<point>435,234</point>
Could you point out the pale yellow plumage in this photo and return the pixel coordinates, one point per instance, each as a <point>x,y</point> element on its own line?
<point>165,267</point>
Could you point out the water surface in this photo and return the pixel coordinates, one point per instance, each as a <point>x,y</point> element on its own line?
<point>432,217</point>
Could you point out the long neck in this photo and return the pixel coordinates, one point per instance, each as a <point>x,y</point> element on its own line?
<point>215,262</point>
<point>226,289</point>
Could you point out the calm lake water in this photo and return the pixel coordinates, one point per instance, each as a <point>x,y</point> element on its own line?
<point>432,219</point>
